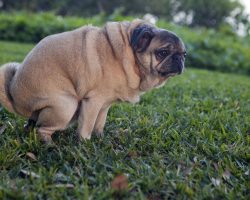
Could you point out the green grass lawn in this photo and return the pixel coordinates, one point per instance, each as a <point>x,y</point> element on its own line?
<point>188,139</point>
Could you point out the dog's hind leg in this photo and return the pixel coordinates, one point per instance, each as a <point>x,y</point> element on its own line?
<point>56,116</point>
<point>31,123</point>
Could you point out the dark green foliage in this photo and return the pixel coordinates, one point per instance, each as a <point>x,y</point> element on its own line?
<point>187,140</point>
<point>27,27</point>
<point>210,13</point>
<point>89,8</point>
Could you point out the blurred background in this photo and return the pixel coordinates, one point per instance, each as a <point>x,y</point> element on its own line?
<point>216,32</point>
<point>188,140</point>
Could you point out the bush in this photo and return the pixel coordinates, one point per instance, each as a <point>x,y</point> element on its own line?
<point>27,27</point>
<point>207,48</point>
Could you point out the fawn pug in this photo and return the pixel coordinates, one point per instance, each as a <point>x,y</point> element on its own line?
<point>77,75</point>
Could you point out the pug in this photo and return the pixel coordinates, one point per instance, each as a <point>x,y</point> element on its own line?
<point>77,75</point>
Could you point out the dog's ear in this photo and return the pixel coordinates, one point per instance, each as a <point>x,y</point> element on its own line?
<point>141,38</point>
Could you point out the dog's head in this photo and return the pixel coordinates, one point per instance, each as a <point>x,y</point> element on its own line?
<point>158,51</point>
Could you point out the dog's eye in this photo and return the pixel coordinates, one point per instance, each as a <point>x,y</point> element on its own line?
<point>162,54</point>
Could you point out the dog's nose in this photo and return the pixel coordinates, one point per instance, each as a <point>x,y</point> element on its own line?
<point>178,63</point>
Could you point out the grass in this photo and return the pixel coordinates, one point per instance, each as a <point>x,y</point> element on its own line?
<point>187,140</point>
<point>13,52</point>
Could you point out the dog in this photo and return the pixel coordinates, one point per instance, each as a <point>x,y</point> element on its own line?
<point>77,75</point>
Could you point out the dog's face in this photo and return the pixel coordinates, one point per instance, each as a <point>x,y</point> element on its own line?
<point>159,51</point>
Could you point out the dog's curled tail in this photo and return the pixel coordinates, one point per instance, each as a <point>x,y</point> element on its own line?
<point>7,71</point>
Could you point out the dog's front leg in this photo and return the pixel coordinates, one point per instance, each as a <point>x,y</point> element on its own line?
<point>100,121</point>
<point>89,111</point>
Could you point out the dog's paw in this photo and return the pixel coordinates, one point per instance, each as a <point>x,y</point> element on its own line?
<point>84,137</point>
<point>99,134</point>
<point>45,138</point>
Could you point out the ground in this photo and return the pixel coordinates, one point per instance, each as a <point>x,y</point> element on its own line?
<point>188,139</point>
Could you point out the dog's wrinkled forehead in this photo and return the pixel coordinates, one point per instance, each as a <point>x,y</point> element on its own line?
<point>143,34</point>
<point>169,38</point>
